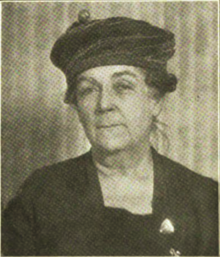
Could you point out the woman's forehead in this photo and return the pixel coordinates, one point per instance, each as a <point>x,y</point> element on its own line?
<point>113,71</point>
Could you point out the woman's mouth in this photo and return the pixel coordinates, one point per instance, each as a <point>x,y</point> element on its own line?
<point>107,126</point>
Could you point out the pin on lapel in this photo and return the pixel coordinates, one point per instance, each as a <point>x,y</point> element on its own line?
<point>173,252</point>
<point>167,227</point>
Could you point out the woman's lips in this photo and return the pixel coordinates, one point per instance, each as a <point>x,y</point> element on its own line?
<point>108,126</point>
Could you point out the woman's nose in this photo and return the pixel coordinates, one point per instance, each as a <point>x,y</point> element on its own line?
<point>105,102</point>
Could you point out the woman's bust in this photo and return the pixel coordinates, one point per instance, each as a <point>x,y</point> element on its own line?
<point>122,197</point>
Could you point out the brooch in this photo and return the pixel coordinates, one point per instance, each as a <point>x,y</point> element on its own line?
<point>167,227</point>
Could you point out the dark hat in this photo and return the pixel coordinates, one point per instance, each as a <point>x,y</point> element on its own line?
<point>114,41</point>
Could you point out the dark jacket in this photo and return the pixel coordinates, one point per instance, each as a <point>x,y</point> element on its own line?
<point>59,211</point>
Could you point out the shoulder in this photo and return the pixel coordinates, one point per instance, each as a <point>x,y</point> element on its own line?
<point>202,189</point>
<point>45,196</point>
<point>197,194</point>
<point>55,177</point>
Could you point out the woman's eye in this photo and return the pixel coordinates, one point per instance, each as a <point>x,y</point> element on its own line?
<point>86,91</point>
<point>123,87</point>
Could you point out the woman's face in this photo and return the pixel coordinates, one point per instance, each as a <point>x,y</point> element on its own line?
<point>115,106</point>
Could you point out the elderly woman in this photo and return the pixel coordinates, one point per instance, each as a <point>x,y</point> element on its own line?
<point>122,197</point>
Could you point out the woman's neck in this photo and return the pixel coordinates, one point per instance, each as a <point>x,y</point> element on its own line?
<point>134,161</point>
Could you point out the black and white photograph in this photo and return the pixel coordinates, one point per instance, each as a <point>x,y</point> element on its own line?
<point>110,128</point>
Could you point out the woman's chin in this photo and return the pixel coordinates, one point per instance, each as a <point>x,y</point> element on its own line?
<point>112,139</point>
<point>113,144</point>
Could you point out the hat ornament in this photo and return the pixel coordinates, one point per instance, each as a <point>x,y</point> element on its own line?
<point>84,16</point>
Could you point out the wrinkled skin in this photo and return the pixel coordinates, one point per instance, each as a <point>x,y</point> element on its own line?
<point>116,107</point>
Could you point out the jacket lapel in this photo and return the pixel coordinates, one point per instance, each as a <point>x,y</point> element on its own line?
<point>173,201</point>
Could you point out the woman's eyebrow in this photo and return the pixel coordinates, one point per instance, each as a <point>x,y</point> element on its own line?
<point>122,73</point>
<point>83,78</point>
